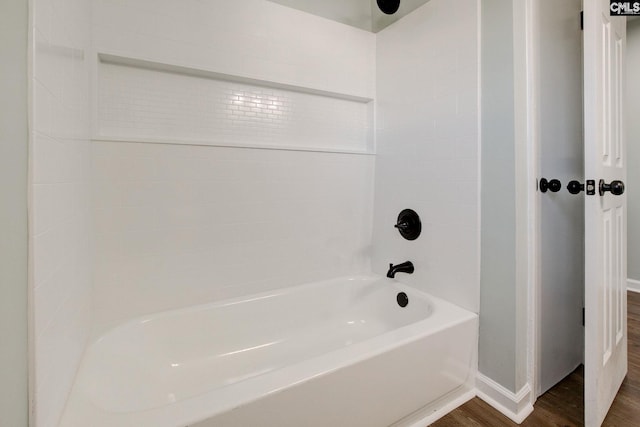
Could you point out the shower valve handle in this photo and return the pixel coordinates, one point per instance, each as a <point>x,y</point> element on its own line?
<point>402,225</point>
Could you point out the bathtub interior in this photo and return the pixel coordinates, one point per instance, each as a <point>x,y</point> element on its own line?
<point>179,354</point>
<point>148,370</point>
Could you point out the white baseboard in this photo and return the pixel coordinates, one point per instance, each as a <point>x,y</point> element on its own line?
<point>516,406</point>
<point>438,409</point>
<point>633,285</point>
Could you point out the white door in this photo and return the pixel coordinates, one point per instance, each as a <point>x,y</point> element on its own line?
<point>605,215</point>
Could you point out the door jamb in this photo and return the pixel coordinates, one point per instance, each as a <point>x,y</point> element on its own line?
<point>527,168</point>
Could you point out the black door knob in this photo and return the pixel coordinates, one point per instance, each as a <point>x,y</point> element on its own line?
<point>554,185</point>
<point>616,187</point>
<point>575,187</point>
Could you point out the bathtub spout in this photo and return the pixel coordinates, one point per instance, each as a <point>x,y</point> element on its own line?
<point>405,267</point>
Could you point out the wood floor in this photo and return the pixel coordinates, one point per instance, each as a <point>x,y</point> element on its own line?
<point>563,404</point>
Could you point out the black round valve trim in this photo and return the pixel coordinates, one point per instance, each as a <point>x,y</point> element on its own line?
<point>408,224</point>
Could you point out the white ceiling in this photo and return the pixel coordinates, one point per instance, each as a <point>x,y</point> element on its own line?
<point>362,14</point>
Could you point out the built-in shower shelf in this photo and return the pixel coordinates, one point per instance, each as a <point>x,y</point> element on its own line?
<point>106,58</point>
<point>176,141</point>
<point>139,100</point>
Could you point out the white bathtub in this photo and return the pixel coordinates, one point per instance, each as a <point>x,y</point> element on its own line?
<point>335,353</point>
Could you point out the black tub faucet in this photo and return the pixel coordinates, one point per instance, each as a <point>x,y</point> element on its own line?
<point>405,267</point>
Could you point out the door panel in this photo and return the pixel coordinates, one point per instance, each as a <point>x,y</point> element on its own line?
<point>605,215</point>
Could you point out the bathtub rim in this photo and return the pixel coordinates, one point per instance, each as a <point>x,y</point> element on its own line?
<point>97,336</point>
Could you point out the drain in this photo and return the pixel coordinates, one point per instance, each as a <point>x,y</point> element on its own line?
<point>402,299</point>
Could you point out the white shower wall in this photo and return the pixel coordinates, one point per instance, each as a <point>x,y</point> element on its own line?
<point>60,202</point>
<point>427,148</point>
<point>183,225</point>
<point>178,224</point>
<point>250,38</point>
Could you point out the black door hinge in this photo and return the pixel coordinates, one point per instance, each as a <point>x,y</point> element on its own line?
<point>581,20</point>
<point>582,316</point>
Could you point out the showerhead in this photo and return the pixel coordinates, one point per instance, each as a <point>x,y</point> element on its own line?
<point>389,6</point>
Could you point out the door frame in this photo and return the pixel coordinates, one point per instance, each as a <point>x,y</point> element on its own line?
<point>527,199</point>
<point>527,171</point>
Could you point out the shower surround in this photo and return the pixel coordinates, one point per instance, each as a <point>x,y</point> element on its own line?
<point>196,213</point>
<point>220,215</point>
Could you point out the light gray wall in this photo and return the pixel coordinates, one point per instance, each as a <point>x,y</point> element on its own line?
<point>633,148</point>
<point>497,345</point>
<point>503,345</point>
<point>13,213</point>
